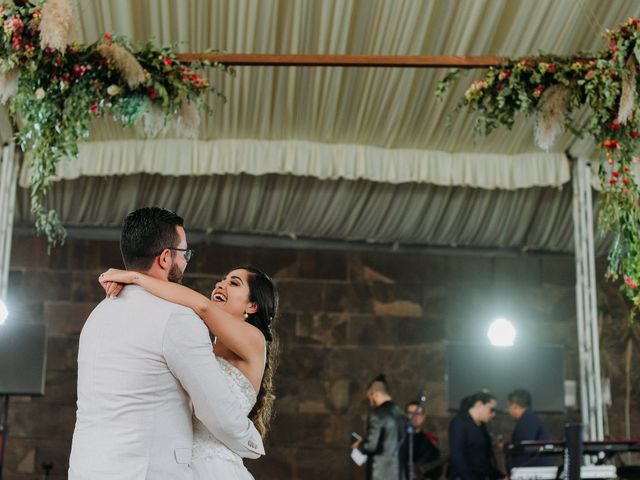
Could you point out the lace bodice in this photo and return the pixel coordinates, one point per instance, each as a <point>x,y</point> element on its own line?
<point>205,445</point>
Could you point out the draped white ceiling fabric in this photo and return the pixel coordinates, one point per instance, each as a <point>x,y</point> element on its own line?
<point>375,127</point>
<point>319,160</point>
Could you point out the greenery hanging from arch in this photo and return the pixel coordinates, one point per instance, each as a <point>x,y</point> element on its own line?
<point>55,88</point>
<point>555,89</point>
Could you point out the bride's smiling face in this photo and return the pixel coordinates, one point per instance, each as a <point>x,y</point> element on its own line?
<point>232,293</point>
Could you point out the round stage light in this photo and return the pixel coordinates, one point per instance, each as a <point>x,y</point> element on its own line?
<point>4,313</point>
<point>501,333</point>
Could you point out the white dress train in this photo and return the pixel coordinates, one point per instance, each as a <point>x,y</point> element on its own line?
<point>212,460</point>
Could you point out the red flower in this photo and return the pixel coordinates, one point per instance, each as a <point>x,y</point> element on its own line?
<point>611,144</point>
<point>93,108</point>
<point>151,91</point>
<point>625,181</point>
<point>615,174</point>
<point>634,134</point>
<point>107,36</point>
<point>615,125</point>
<point>626,169</point>
<point>538,90</point>
<point>612,181</point>
<point>167,60</point>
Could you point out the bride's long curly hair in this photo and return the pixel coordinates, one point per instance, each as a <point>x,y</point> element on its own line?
<point>263,292</point>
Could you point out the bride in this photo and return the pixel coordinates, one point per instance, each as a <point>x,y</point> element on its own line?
<point>240,314</point>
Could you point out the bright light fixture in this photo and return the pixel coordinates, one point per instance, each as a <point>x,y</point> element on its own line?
<point>501,333</point>
<point>4,313</point>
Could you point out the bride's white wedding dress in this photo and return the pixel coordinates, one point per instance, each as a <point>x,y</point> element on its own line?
<point>212,460</point>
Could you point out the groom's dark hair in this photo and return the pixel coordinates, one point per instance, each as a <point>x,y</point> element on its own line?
<point>146,232</point>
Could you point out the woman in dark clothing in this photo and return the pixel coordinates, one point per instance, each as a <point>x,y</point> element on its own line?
<point>470,449</point>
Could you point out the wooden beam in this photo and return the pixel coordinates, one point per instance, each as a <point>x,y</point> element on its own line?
<point>402,61</point>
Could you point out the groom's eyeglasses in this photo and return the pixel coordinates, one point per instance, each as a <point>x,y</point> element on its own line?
<point>187,252</point>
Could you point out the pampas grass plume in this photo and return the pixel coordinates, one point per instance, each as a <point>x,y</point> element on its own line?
<point>627,97</point>
<point>154,121</point>
<point>188,121</point>
<point>549,122</point>
<point>56,25</point>
<point>127,65</point>
<point>8,84</point>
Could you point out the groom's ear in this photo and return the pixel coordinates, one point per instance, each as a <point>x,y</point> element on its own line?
<point>164,259</point>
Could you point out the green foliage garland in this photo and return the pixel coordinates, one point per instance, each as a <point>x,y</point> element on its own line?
<point>60,90</point>
<point>555,88</point>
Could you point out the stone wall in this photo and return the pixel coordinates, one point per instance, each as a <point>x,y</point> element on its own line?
<point>344,318</point>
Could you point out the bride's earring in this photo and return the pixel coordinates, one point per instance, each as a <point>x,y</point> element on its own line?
<point>246,315</point>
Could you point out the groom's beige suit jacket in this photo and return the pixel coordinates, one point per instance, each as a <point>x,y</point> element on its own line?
<point>144,365</point>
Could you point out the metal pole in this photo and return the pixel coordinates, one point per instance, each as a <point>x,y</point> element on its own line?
<point>584,397</point>
<point>592,311</point>
<point>8,182</point>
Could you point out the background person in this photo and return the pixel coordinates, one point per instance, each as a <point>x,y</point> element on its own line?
<point>528,427</point>
<point>385,428</point>
<point>427,460</point>
<point>470,448</point>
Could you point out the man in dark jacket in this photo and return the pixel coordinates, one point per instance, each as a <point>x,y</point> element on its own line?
<point>528,427</point>
<point>470,448</point>
<point>385,427</point>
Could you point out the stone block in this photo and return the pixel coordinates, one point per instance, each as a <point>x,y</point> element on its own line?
<point>319,462</point>
<point>397,308</point>
<point>110,255</point>
<point>39,285</point>
<point>217,260</point>
<point>322,264</point>
<point>277,464</point>
<point>338,393</point>
<point>51,450</point>
<point>348,297</point>
<point>303,362</point>
<point>60,387</point>
<point>66,319</point>
<point>62,353</point>
<point>320,328</point>
<point>301,296</point>
<point>37,419</point>
<point>29,253</point>
<point>276,262</point>
<point>84,287</point>
<point>78,254</point>
<point>298,429</point>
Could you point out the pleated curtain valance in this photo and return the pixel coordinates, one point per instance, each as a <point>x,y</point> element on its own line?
<point>180,157</point>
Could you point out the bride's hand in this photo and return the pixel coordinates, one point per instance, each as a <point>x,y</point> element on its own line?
<point>114,280</point>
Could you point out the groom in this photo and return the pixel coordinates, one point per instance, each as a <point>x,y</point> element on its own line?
<point>143,363</point>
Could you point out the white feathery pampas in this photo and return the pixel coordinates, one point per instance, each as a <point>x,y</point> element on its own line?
<point>8,84</point>
<point>627,97</point>
<point>188,119</point>
<point>56,25</point>
<point>127,65</point>
<point>549,121</point>
<point>154,121</point>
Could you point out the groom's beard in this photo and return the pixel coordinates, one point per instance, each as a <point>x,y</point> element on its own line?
<point>175,274</point>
